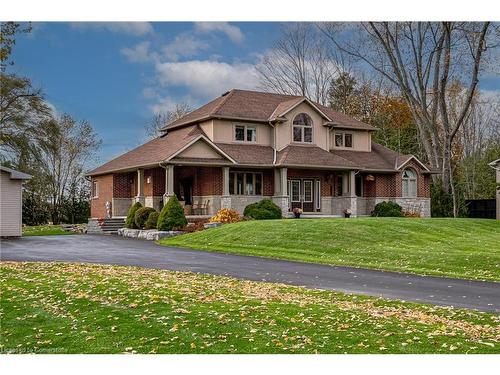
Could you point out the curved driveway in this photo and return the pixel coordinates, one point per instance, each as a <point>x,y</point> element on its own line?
<point>111,249</point>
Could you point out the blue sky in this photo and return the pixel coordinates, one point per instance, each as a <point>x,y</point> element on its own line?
<point>116,75</point>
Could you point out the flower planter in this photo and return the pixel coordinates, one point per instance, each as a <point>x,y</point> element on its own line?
<point>297,215</point>
<point>347,215</point>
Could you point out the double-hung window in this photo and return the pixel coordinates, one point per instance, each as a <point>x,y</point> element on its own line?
<point>245,133</point>
<point>245,183</point>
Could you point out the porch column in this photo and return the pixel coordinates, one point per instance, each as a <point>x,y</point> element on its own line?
<point>345,184</point>
<point>352,184</point>
<point>225,201</point>
<point>277,182</point>
<point>140,187</point>
<point>169,183</point>
<point>284,182</point>
<point>352,193</point>
<point>281,190</point>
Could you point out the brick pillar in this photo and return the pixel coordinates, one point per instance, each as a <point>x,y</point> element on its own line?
<point>225,201</point>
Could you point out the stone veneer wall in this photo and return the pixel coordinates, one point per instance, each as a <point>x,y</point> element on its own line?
<point>421,204</point>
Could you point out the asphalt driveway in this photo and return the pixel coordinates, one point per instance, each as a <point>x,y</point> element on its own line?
<point>101,249</point>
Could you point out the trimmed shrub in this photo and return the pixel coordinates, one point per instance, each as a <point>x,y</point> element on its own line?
<point>130,221</point>
<point>171,216</point>
<point>141,215</point>
<point>387,209</point>
<point>152,220</point>
<point>225,216</point>
<point>263,210</point>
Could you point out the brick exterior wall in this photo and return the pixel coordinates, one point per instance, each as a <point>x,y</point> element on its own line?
<point>98,205</point>
<point>156,186</point>
<point>124,185</point>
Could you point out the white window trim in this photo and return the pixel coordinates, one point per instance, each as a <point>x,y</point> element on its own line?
<point>244,183</point>
<point>245,127</point>
<point>343,134</point>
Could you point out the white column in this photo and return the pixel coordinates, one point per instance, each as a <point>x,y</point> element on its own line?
<point>352,184</point>
<point>277,182</point>
<point>169,182</point>
<point>284,182</point>
<point>140,187</point>
<point>225,201</point>
<point>225,181</point>
<point>345,184</point>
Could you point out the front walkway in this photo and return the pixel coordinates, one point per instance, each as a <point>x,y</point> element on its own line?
<point>109,249</point>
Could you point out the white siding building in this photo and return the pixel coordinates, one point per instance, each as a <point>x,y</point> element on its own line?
<point>11,202</point>
<point>496,166</point>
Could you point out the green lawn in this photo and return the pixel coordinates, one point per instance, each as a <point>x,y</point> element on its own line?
<point>464,248</point>
<point>45,230</point>
<point>77,308</point>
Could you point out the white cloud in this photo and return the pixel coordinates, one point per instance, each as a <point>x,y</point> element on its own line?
<point>184,45</point>
<point>138,53</point>
<point>207,78</point>
<point>130,28</point>
<point>233,32</point>
<point>169,103</point>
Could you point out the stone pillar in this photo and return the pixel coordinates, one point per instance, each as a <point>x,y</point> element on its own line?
<point>225,201</point>
<point>140,187</point>
<point>169,183</point>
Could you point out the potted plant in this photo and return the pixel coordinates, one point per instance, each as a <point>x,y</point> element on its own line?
<point>347,212</point>
<point>297,212</point>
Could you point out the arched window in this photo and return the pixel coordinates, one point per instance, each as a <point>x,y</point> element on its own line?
<point>302,128</point>
<point>409,183</point>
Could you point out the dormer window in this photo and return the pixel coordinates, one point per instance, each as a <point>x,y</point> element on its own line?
<point>343,140</point>
<point>245,133</point>
<point>303,128</point>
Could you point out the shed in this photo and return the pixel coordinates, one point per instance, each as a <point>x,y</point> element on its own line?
<point>11,202</point>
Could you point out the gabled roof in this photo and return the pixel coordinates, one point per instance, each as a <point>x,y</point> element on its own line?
<point>152,152</point>
<point>379,158</point>
<point>261,107</point>
<point>15,175</point>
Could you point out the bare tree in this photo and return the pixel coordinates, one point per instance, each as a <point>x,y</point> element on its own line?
<point>65,146</point>
<point>160,120</point>
<point>300,63</point>
<point>422,59</point>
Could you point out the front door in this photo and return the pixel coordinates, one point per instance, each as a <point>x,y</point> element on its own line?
<point>301,192</point>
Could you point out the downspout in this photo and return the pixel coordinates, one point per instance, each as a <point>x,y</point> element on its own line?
<point>274,142</point>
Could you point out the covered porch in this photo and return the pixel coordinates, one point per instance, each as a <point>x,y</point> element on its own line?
<point>203,190</point>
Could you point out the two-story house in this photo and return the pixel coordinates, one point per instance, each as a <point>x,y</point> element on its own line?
<point>245,146</point>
